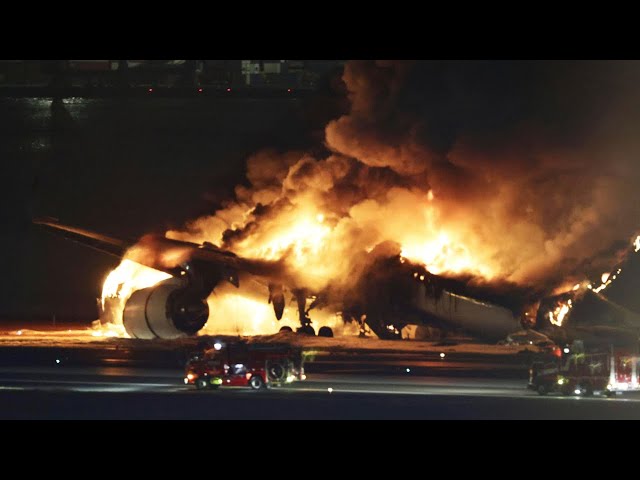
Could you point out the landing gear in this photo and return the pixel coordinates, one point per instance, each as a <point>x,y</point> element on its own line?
<point>377,323</point>
<point>305,327</point>
<point>303,313</point>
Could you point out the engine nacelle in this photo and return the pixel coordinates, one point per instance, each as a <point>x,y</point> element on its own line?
<point>166,310</point>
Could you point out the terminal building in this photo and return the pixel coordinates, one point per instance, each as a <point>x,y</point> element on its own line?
<point>258,74</point>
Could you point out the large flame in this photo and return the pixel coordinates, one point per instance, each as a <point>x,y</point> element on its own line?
<point>120,283</point>
<point>298,234</point>
<point>444,255</point>
<point>317,246</point>
<point>128,277</point>
<point>313,246</point>
<point>234,314</point>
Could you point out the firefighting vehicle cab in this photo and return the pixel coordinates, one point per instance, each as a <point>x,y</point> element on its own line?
<point>578,373</point>
<point>244,364</point>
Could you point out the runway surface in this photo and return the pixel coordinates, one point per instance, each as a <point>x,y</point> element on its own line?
<point>57,378</point>
<point>67,392</point>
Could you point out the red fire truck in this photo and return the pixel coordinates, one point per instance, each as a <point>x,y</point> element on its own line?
<point>244,364</point>
<point>579,373</point>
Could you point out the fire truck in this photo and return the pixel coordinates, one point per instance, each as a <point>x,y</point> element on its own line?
<point>244,364</point>
<point>578,373</point>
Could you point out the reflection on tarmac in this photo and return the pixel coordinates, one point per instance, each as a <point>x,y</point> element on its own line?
<point>131,381</point>
<point>68,392</point>
<point>103,379</point>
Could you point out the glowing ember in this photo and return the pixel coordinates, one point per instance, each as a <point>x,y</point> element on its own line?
<point>607,277</point>
<point>606,280</point>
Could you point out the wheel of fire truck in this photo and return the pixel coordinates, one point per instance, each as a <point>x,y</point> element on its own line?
<point>587,389</point>
<point>285,329</point>
<point>202,383</point>
<point>307,330</point>
<point>325,332</point>
<point>277,371</point>
<point>256,382</point>
<point>542,389</point>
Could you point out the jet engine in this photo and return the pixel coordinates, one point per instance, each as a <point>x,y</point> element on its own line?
<point>168,309</point>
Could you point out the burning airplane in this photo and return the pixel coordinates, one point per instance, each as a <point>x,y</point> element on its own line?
<point>456,194</point>
<point>163,288</point>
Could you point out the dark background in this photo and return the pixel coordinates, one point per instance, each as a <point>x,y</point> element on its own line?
<point>122,166</point>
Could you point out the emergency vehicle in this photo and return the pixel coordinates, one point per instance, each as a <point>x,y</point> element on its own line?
<point>578,373</point>
<point>244,364</point>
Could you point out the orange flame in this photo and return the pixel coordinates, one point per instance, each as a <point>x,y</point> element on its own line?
<point>558,314</point>
<point>302,235</point>
<point>234,314</point>
<point>445,255</point>
<point>121,282</point>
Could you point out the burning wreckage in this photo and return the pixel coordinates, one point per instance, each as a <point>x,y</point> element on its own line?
<point>388,291</point>
<point>472,195</point>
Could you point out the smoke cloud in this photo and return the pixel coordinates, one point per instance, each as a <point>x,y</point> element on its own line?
<point>521,172</point>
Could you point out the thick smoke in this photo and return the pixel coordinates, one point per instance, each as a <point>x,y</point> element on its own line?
<point>523,172</point>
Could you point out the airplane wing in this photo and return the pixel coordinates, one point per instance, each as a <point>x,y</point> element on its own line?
<point>163,253</point>
<point>178,306</point>
<point>102,243</point>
